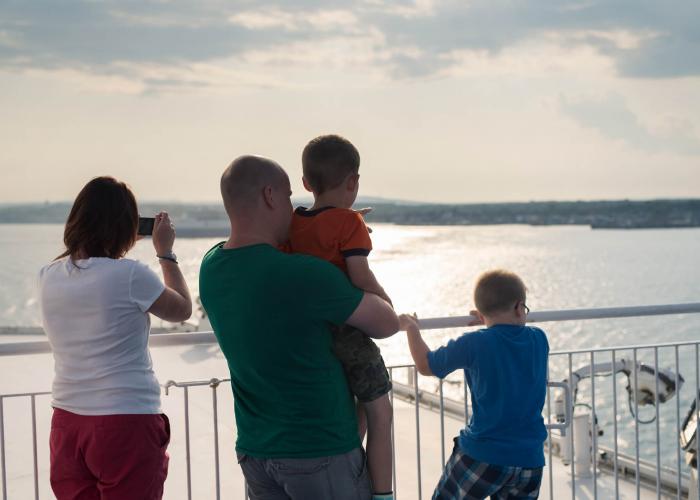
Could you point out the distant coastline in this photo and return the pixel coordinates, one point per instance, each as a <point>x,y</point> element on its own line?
<point>209,220</point>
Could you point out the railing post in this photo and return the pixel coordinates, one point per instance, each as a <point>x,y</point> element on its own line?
<point>214,384</point>
<point>549,446</point>
<point>417,398</point>
<point>678,430</point>
<point>657,402</point>
<point>594,430</point>
<point>187,442</point>
<point>2,448</point>
<point>697,405</point>
<point>571,434</point>
<point>393,437</point>
<point>636,424</point>
<point>34,449</point>
<point>614,391</point>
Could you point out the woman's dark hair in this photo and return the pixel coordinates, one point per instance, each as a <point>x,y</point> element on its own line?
<point>103,221</point>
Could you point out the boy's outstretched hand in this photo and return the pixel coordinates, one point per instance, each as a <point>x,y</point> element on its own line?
<point>479,319</point>
<point>363,212</point>
<point>409,323</point>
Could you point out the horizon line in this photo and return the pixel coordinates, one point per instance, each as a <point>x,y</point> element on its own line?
<point>380,199</point>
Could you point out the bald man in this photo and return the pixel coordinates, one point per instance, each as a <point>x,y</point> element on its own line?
<point>271,312</point>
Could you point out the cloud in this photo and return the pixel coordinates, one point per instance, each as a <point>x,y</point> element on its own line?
<point>406,39</point>
<point>612,118</point>
<point>644,38</point>
<point>321,21</point>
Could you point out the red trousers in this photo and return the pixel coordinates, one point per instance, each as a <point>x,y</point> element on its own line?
<point>108,457</point>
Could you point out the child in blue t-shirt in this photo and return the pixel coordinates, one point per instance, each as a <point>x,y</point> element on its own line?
<point>500,453</point>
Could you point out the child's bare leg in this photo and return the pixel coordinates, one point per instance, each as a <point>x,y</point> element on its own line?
<point>361,420</point>
<point>379,414</point>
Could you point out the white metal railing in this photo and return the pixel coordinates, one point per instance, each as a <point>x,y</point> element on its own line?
<point>174,339</point>
<point>626,465</point>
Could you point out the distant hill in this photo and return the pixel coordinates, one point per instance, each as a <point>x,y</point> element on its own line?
<point>210,219</point>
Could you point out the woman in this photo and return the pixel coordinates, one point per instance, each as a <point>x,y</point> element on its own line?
<point>108,436</point>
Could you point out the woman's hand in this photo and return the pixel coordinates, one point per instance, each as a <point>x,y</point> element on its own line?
<point>163,234</point>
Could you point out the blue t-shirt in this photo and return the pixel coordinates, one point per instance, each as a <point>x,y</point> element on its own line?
<point>506,369</point>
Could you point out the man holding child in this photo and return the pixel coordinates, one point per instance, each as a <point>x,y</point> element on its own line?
<point>271,312</point>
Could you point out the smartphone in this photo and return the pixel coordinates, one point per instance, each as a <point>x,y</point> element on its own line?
<point>146,226</point>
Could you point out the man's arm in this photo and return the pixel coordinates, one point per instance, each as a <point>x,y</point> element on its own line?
<point>375,317</point>
<point>419,349</point>
<point>362,276</point>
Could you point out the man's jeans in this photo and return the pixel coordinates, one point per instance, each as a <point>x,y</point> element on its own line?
<point>338,477</point>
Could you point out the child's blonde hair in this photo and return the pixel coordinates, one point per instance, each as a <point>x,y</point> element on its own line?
<point>498,291</point>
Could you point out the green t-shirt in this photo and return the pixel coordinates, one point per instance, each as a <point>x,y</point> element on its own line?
<point>271,313</point>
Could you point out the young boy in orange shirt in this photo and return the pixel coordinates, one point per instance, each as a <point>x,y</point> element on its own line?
<point>332,231</point>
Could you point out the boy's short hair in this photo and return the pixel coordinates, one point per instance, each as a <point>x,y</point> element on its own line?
<point>327,160</point>
<point>498,291</point>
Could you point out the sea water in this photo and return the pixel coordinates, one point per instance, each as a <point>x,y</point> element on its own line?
<point>431,270</point>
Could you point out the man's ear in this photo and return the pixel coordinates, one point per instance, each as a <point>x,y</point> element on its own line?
<point>307,186</point>
<point>269,196</point>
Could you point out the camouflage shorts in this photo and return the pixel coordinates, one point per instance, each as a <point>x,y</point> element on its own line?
<point>363,364</point>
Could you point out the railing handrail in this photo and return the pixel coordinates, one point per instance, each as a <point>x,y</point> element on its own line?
<point>207,337</point>
<point>573,314</point>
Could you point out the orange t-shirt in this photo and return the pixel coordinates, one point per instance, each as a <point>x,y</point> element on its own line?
<point>329,233</point>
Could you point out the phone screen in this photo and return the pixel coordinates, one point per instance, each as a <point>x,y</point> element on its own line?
<point>146,226</point>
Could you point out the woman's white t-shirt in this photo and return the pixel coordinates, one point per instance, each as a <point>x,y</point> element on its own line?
<point>94,314</point>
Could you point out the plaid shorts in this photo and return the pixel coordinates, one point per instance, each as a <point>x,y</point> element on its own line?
<point>466,478</point>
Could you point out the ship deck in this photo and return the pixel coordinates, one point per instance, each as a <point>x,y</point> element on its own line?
<point>203,463</point>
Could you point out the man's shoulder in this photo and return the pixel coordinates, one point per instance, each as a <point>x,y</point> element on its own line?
<point>210,254</point>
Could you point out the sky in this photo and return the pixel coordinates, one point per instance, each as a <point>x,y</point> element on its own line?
<point>447,101</point>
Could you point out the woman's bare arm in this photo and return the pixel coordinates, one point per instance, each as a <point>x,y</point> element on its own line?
<point>174,304</point>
